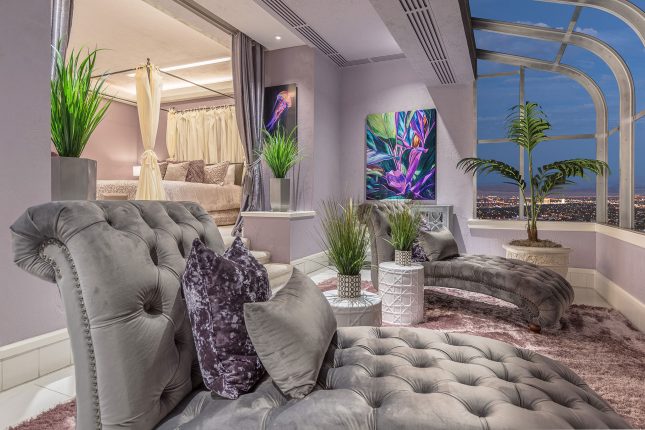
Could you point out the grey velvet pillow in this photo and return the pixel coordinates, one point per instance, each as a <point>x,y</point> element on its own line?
<point>291,334</point>
<point>216,288</point>
<point>438,245</point>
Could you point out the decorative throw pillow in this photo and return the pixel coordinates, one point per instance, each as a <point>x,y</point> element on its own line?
<point>438,245</point>
<point>163,167</point>
<point>216,287</point>
<point>176,172</point>
<point>215,173</point>
<point>229,179</point>
<point>418,253</point>
<point>195,171</point>
<point>291,334</point>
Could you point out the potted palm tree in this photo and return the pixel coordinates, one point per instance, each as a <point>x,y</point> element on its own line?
<point>404,228</point>
<point>280,152</point>
<point>77,107</point>
<point>346,240</point>
<point>527,128</point>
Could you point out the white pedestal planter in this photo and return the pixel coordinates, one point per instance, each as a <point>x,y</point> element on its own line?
<point>556,259</point>
<point>401,290</point>
<point>364,310</point>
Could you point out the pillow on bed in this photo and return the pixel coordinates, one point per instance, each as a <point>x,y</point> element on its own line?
<point>163,166</point>
<point>215,173</point>
<point>195,171</point>
<point>176,171</point>
<point>291,334</point>
<point>229,179</point>
<point>216,287</point>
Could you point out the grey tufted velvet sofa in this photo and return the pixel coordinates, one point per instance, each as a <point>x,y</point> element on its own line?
<point>118,265</point>
<point>541,294</point>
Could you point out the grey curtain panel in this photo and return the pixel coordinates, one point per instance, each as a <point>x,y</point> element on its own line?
<point>248,84</point>
<point>61,26</point>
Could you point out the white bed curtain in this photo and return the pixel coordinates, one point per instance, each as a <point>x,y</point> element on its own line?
<point>204,134</point>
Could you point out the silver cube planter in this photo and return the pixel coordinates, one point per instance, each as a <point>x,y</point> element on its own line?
<point>280,193</point>
<point>73,178</point>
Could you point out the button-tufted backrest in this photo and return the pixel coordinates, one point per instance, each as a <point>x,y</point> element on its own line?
<point>118,267</point>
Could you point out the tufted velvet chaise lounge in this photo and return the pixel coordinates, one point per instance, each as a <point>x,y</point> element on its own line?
<point>118,265</point>
<point>541,294</point>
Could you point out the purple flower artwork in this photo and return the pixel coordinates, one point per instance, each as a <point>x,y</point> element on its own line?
<point>401,155</point>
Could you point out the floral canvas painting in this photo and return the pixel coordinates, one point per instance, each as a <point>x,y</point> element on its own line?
<point>401,155</point>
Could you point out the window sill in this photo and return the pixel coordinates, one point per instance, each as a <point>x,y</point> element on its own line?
<point>630,236</point>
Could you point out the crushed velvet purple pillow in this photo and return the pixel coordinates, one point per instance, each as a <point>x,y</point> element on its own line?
<point>418,253</point>
<point>216,288</point>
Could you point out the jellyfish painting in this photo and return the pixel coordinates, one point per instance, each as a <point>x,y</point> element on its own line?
<point>280,107</point>
<point>401,155</point>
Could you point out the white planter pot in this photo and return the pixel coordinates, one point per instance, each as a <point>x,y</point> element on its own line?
<point>556,259</point>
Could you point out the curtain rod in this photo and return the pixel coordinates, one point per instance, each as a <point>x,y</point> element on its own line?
<point>130,102</point>
<point>169,74</point>
<point>201,108</point>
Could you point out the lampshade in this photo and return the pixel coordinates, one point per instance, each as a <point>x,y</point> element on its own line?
<point>136,171</point>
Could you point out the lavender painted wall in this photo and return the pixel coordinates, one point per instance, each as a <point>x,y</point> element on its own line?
<point>623,263</point>
<point>116,142</point>
<point>29,306</point>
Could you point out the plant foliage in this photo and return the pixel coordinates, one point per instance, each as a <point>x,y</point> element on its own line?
<point>77,106</point>
<point>404,227</point>
<point>345,237</point>
<point>280,151</point>
<point>527,127</point>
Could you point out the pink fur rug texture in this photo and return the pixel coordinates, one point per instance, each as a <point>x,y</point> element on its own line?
<point>598,343</point>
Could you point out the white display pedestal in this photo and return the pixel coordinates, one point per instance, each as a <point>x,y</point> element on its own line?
<point>364,310</point>
<point>401,290</point>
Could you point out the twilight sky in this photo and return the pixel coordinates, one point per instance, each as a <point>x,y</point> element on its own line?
<point>566,103</point>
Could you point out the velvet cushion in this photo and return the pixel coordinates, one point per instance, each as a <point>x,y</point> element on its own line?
<point>291,334</point>
<point>438,245</point>
<point>216,287</point>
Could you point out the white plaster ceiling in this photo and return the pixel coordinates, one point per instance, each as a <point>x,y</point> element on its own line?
<point>129,31</point>
<point>351,26</point>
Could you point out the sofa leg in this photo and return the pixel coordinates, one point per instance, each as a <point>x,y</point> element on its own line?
<point>535,328</point>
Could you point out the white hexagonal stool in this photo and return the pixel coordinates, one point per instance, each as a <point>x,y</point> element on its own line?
<point>401,291</point>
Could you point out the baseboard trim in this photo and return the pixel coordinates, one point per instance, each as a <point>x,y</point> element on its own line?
<point>29,359</point>
<point>614,294</point>
<point>311,263</point>
<point>628,305</point>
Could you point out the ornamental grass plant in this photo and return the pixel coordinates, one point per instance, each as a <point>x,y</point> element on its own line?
<point>280,151</point>
<point>404,228</point>
<point>346,239</point>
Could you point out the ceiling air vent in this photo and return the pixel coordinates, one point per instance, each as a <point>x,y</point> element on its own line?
<point>298,24</point>
<point>420,17</point>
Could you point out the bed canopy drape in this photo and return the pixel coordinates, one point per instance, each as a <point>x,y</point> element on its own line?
<point>210,134</point>
<point>148,86</point>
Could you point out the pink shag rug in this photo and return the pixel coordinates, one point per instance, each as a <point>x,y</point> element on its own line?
<point>61,417</point>
<point>597,343</point>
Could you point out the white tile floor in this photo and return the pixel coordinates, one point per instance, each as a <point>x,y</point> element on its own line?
<point>28,400</point>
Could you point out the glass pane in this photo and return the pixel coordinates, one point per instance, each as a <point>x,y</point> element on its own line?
<point>523,11</point>
<point>485,67</point>
<point>495,198</point>
<point>639,180</point>
<point>577,201</point>
<point>613,159</point>
<point>517,45</point>
<point>495,96</point>
<point>598,71</point>
<point>623,39</point>
<point>567,104</point>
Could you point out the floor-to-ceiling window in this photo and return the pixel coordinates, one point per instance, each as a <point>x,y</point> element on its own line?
<point>533,66</point>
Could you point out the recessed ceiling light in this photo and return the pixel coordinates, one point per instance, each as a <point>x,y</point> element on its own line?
<point>191,65</point>
<point>278,37</point>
